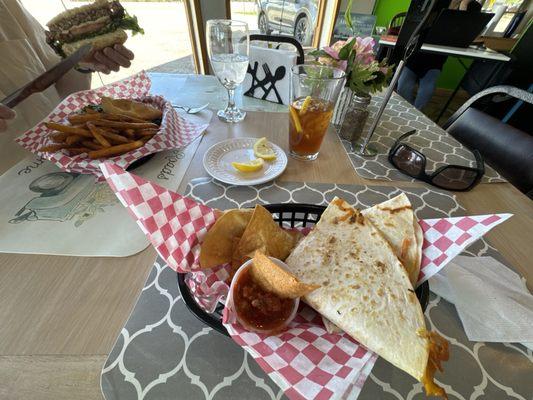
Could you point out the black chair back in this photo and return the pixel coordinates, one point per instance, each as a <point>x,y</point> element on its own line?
<point>281,39</point>
<point>396,24</point>
<point>505,148</point>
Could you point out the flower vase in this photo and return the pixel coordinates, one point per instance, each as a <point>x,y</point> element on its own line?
<point>341,107</point>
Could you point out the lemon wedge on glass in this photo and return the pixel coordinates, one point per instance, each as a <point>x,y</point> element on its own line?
<point>252,166</point>
<point>263,150</point>
<point>295,119</point>
<point>305,104</point>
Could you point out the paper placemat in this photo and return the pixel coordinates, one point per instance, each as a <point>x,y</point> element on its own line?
<point>49,211</point>
<point>400,117</point>
<point>164,350</point>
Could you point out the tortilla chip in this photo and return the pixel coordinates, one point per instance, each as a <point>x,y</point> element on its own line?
<point>275,279</point>
<point>219,242</point>
<point>265,235</point>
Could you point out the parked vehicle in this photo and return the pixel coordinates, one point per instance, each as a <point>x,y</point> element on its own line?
<point>294,17</point>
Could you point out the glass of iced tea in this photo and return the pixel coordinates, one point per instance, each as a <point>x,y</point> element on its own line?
<point>314,90</point>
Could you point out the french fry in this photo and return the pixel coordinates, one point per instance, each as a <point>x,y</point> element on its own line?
<point>82,118</point>
<point>123,118</point>
<point>72,139</point>
<point>78,150</point>
<point>130,133</point>
<point>73,130</point>
<point>146,138</point>
<point>115,150</point>
<point>97,135</point>
<point>58,137</point>
<point>126,125</point>
<point>92,145</point>
<point>146,132</point>
<point>113,137</point>
<point>52,148</point>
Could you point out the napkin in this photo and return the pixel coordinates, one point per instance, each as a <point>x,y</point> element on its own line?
<point>492,301</point>
<point>305,361</point>
<point>175,131</point>
<point>268,75</point>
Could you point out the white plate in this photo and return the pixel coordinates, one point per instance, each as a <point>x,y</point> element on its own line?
<point>218,159</point>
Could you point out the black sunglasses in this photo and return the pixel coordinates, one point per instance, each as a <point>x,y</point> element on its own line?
<point>451,177</point>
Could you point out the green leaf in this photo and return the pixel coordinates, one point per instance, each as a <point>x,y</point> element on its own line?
<point>344,53</point>
<point>319,53</point>
<point>131,23</point>
<point>348,15</point>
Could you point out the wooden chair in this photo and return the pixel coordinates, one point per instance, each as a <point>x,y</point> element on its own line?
<point>396,24</point>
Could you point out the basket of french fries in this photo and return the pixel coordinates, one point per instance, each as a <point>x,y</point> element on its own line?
<point>120,123</point>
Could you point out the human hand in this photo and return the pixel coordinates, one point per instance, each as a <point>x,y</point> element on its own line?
<point>108,59</point>
<point>5,114</point>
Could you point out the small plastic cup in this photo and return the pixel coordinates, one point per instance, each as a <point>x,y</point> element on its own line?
<point>281,328</point>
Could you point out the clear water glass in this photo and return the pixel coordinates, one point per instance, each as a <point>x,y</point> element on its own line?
<point>228,44</point>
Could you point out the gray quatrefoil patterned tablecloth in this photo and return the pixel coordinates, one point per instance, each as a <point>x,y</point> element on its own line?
<point>164,352</point>
<point>398,118</point>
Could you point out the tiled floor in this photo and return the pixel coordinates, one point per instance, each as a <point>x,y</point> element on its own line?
<point>438,100</point>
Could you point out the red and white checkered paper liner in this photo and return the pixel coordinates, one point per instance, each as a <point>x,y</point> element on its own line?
<point>175,131</point>
<point>305,361</point>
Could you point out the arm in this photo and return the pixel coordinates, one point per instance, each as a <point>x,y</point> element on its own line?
<point>6,114</point>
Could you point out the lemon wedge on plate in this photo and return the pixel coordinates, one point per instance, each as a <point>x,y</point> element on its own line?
<point>252,166</point>
<point>262,149</point>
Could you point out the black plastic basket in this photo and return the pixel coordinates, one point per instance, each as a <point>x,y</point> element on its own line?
<point>290,214</point>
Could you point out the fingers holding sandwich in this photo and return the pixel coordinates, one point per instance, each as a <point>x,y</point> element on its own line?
<point>111,59</point>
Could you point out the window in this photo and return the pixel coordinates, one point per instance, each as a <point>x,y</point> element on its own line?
<point>296,18</point>
<point>165,46</point>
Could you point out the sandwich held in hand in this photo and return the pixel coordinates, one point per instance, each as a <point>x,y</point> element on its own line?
<point>366,291</point>
<point>112,128</point>
<point>102,24</point>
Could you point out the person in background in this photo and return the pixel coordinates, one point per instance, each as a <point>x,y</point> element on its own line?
<point>424,68</point>
<point>24,56</point>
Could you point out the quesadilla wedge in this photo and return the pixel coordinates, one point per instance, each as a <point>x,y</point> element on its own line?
<point>396,221</point>
<point>365,290</point>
